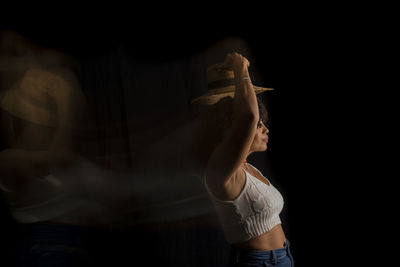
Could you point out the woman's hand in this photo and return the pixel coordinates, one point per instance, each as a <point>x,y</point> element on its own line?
<point>236,62</point>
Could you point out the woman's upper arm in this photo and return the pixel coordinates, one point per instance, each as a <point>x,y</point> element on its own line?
<point>227,157</point>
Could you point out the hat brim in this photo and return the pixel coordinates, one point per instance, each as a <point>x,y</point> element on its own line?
<point>213,96</point>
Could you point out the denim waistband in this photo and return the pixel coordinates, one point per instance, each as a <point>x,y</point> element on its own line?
<point>243,255</point>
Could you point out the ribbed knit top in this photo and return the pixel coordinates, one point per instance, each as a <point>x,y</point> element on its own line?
<point>254,212</point>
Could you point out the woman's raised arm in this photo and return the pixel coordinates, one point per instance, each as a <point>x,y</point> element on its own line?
<point>225,160</point>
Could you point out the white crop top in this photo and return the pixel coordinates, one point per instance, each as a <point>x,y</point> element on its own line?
<point>254,212</point>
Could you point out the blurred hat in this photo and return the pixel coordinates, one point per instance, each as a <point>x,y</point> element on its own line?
<point>221,83</point>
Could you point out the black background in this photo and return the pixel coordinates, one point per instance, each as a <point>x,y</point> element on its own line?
<point>305,56</point>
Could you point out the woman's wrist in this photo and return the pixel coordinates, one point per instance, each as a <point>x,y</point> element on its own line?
<point>245,79</point>
<point>242,74</point>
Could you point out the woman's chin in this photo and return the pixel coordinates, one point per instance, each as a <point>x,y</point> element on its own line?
<point>263,148</point>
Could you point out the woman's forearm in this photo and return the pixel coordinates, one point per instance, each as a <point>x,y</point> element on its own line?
<point>245,101</point>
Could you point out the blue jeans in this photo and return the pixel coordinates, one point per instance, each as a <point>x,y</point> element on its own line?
<point>266,258</point>
<point>58,245</point>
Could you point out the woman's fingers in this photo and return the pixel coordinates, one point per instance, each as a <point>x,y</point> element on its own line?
<point>234,60</point>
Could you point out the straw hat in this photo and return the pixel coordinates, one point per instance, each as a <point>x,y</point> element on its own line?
<point>221,83</point>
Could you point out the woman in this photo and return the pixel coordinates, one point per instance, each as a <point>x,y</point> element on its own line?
<point>248,205</point>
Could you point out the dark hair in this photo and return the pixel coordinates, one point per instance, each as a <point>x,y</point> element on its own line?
<point>262,110</point>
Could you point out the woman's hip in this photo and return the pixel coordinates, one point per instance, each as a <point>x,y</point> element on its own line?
<point>280,257</point>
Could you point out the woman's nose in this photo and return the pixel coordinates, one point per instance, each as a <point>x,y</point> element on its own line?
<point>266,130</point>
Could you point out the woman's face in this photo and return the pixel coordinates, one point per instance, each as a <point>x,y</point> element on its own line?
<point>260,140</point>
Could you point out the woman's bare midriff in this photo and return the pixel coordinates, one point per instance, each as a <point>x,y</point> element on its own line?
<point>271,240</point>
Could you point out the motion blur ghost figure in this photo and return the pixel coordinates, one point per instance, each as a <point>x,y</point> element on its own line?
<point>44,179</point>
<point>42,111</point>
<point>42,106</point>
